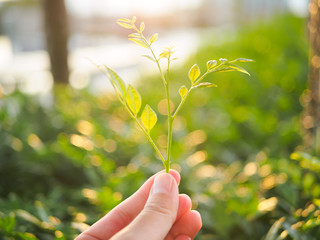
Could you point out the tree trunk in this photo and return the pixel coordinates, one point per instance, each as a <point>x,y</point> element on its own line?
<point>57,33</point>
<point>311,119</point>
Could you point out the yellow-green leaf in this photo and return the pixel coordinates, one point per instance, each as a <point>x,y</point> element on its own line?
<point>183,91</point>
<point>148,118</point>
<point>194,73</point>
<point>117,83</point>
<point>133,100</point>
<point>142,27</point>
<point>211,64</point>
<point>154,38</point>
<point>134,19</point>
<point>205,85</point>
<point>164,54</point>
<point>124,20</point>
<point>238,68</point>
<point>134,35</point>
<point>149,57</point>
<point>139,42</point>
<point>242,60</point>
<point>125,25</point>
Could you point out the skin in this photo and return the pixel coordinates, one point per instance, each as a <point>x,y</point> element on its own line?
<point>156,211</point>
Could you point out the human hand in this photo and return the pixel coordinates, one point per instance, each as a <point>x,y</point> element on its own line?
<point>156,211</point>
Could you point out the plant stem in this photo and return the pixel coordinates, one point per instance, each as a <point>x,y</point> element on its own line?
<point>147,135</point>
<point>170,120</point>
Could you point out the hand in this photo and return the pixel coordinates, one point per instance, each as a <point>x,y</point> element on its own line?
<point>155,212</point>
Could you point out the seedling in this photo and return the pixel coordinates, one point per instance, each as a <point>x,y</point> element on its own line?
<point>131,99</point>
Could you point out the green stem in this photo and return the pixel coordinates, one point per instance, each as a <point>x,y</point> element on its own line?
<point>170,121</point>
<point>147,135</point>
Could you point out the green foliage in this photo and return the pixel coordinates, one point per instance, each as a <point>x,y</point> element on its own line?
<point>133,98</point>
<point>63,167</point>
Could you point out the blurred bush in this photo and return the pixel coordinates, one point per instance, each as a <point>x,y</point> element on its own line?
<point>64,166</point>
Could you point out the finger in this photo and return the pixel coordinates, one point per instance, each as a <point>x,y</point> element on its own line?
<point>184,205</point>
<point>188,225</point>
<point>159,213</point>
<point>124,213</point>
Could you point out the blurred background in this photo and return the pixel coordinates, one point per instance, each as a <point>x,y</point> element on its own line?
<point>247,151</point>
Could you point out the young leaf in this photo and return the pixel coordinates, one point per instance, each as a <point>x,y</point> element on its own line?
<point>133,100</point>
<point>211,64</point>
<point>194,73</point>
<point>134,35</point>
<point>154,38</point>
<point>149,57</point>
<point>148,118</point>
<point>124,20</point>
<point>134,19</point>
<point>242,60</point>
<point>205,85</point>
<point>238,68</point>
<point>142,27</point>
<point>117,83</point>
<point>164,54</point>
<point>139,42</point>
<point>125,25</point>
<point>183,91</point>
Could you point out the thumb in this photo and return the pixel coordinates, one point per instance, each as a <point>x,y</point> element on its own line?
<point>159,213</point>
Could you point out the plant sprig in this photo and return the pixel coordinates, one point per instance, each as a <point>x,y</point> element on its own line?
<point>131,99</point>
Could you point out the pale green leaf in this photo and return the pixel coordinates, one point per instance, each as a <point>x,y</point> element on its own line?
<point>134,19</point>
<point>139,42</point>
<point>125,25</point>
<point>211,64</point>
<point>238,68</point>
<point>149,57</point>
<point>194,73</point>
<point>148,118</point>
<point>154,38</point>
<point>125,20</point>
<point>242,60</point>
<point>117,83</point>
<point>205,85</point>
<point>183,91</point>
<point>133,100</point>
<point>134,35</point>
<point>142,25</point>
<point>224,68</point>
<point>164,54</point>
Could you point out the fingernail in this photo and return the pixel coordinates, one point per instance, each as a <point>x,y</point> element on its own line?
<point>162,183</point>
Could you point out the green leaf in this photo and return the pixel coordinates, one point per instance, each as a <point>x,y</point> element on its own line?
<point>7,223</point>
<point>27,236</point>
<point>117,83</point>
<point>194,73</point>
<point>238,68</point>
<point>206,85</point>
<point>154,38</point>
<point>28,217</point>
<point>133,100</point>
<point>224,68</point>
<point>125,25</point>
<point>183,91</point>
<point>149,57</point>
<point>211,64</point>
<point>148,118</point>
<point>139,42</point>
<point>242,60</point>
<point>142,27</point>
